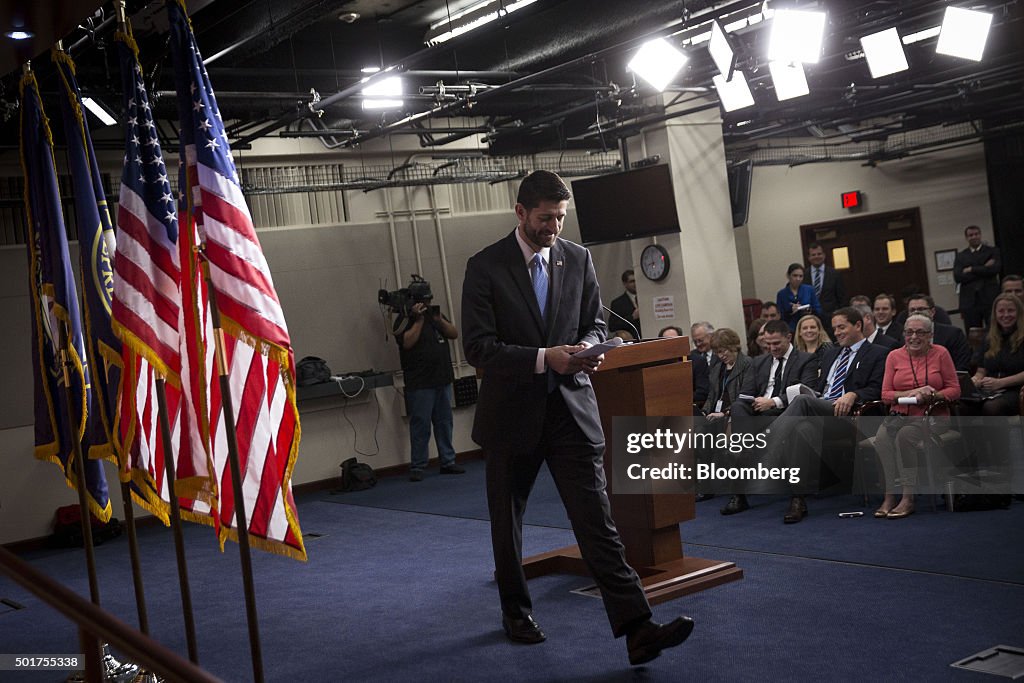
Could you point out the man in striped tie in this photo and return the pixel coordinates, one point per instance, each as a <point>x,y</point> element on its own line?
<point>826,280</point>
<point>851,373</point>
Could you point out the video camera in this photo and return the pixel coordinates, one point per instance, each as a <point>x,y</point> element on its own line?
<point>402,300</point>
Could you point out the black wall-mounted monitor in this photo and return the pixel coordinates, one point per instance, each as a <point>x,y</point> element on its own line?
<point>625,206</point>
<point>740,175</point>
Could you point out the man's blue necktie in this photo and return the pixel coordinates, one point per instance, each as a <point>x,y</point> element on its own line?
<point>839,378</point>
<point>539,275</point>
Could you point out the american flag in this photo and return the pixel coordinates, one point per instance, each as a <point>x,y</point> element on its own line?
<point>147,302</point>
<point>258,355</point>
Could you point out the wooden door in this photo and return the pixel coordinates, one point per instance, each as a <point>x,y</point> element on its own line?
<point>875,253</point>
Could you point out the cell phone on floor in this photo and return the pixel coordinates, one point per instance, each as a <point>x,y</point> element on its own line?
<point>851,514</point>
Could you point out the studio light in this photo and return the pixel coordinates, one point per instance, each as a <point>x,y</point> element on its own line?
<point>384,94</point>
<point>473,17</point>
<point>796,36</point>
<point>789,79</point>
<point>721,51</point>
<point>733,93</point>
<point>964,33</point>
<point>99,111</point>
<point>657,62</point>
<point>884,52</point>
<point>19,34</point>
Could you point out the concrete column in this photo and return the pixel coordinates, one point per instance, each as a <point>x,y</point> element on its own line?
<point>704,276</point>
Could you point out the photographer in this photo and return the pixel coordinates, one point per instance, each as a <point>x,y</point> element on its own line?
<point>427,366</point>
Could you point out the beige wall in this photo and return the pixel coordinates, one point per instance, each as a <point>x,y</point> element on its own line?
<point>950,188</point>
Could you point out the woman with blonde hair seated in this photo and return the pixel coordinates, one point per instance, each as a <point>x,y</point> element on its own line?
<point>811,336</point>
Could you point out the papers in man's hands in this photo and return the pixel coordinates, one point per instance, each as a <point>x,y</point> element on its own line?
<point>907,400</point>
<point>744,397</point>
<point>598,349</point>
<point>795,390</point>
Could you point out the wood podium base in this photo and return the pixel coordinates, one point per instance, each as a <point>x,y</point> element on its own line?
<point>661,582</point>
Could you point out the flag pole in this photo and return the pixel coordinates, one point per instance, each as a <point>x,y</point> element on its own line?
<point>76,449</point>
<point>179,539</point>
<point>242,525</point>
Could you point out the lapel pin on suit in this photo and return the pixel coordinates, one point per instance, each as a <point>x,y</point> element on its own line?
<point>558,264</point>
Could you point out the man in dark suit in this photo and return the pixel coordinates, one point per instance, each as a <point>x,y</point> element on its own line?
<point>885,313</point>
<point>826,280</point>
<point>976,270</point>
<point>625,307</point>
<point>953,338</point>
<point>871,331</point>
<point>784,366</point>
<point>702,358</point>
<point>530,302</point>
<point>851,373</point>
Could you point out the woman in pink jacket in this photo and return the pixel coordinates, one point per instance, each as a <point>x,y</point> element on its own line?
<point>919,373</point>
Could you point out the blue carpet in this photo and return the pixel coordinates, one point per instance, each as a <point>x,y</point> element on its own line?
<point>983,545</point>
<point>404,594</point>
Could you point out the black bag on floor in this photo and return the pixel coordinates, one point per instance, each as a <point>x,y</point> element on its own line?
<point>357,476</point>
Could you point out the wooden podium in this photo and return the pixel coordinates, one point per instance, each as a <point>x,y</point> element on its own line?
<point>646,378</point>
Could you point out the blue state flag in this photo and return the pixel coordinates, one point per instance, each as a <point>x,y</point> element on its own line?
<point>55,312</point>
<point>96,254</point>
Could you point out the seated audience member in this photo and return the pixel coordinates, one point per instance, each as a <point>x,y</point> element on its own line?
<point>702,358</point>
<point>940,315</point>
<point>860,299</point>
<point>851,373</point>
<point>885,311</point>
<point>796,298</point>
<point>922,371</point>
<point>728,374</point>
<point>953,338</point>
<point>1001,368</point>
<point>872,333</point>
<point>770,311</point>
<point>785,366</point>
<point>811,336</point>
<point>754,337</point>
<point>670,331</point>
<point>624,335</point>
<point>700,340</point>
<point>1013,284</point>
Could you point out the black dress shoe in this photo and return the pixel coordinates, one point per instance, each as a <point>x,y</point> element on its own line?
<point>453,469</point>
<point>648,640</point>
<point>797,510</point>
<point>523,630</point>
<point>736,504</point>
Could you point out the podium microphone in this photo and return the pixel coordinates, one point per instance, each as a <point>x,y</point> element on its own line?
<point>632,327</point>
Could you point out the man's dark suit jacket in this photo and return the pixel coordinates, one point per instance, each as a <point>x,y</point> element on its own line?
<point>701,377</point>
<point>955,341</point>
<point>895,331</point>
<point>979,287</point>
<point>833,294</point>
<point>865,373</point>
<point>801,368</point>
<point>886,342</point>
<point>502,329</point>
<point>623,306</point>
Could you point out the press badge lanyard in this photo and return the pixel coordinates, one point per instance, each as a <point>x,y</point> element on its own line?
<point>721,392</point>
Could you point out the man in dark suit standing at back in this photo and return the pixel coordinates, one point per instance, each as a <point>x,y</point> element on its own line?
<point>530,301</point>
<point>976,270</point>
<point>625,307</point>
<point>826,280</point>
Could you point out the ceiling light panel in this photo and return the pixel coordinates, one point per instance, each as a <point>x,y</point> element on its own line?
<point>964,33</point>
<point>789,79</point>
<point>796,36</point>
<point>657,62</point>
<point>884,53</point>
<point>733,93</point>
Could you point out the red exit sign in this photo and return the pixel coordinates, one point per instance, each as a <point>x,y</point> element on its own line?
<point>850,200</point>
